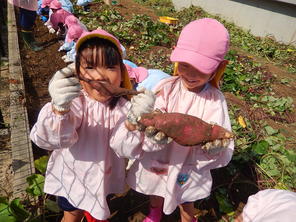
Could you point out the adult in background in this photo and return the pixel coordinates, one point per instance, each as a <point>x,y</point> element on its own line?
<point>27,17</point>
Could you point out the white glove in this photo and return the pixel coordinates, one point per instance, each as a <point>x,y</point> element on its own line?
<point>215,146</point>
<point>140,104</point>
<point>67,59</point>
<point>47,23</point>
<point>63,88</point>
<point>157,137</point>
<point>61,48</point>
<point>51,30</point>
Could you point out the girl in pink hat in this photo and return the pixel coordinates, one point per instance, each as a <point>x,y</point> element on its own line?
<point>73,34</point>
<point>77,125</point>
<point>57,18</point>
<point>171,174</point>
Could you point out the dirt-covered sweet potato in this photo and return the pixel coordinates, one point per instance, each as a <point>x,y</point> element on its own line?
<point>185,129</point>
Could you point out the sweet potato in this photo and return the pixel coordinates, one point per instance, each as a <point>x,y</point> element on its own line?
<point>185,129</point>
<point>109,89</point>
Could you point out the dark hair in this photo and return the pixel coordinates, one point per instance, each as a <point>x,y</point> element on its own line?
<point>101,52</point>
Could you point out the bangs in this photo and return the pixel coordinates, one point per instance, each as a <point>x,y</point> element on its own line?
<point>98,52</point>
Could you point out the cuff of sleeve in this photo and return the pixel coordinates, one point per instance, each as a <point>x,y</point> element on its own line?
<point>65,108</point>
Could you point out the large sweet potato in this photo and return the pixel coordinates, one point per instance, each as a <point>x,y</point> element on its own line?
<point>185,129</point>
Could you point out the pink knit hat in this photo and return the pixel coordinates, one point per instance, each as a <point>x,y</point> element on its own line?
<point>55,4</point>
<point>45,3</point>
<point>138,73</point>
<point>74,32</point>
<point>71,20</point>
<point>203,43</point>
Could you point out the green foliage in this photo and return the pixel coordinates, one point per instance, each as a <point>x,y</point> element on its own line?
<point>30,210</point>
<point>41,164</point>
<point>266,147</point>
<point>225,205</point>
<point>36,184</point>
<point>161,7</point>
<point>13,211</point>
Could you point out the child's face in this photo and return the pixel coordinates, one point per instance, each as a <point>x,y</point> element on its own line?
<point>111,75</point>
<point>192,79</point>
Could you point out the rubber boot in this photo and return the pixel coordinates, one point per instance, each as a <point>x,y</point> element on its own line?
<point>90,218</point>
<point>154,215</point>
<point>29,40</point>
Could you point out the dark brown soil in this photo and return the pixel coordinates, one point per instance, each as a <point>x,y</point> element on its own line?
<point>38,68</point>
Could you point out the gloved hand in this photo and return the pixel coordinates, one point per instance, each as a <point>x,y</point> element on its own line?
<point>47,23</point>
<point>61,48</point>
<point>51,30</point>
<point>156,136</point>
<point>63,88</point>
<point>67,59</point>
<point>140,104</point>
<point>215,146</point>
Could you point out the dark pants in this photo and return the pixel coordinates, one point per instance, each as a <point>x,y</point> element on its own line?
<point>27,19</point>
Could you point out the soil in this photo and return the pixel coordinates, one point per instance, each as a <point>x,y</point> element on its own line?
<point>38,68</point>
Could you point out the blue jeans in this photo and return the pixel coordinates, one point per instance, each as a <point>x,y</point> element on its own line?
<point>27,19</point>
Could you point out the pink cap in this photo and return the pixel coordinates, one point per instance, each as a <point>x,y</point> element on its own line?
<point>71,20</point>
<point>98,33</point>
<point>203,43</point>
<point>138,73</point>
<point>74,32</point>
<point>55,4</point>
<point>45,3</point>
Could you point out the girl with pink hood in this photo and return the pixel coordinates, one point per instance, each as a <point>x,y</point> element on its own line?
<point>57,18</point>
<point>171,174</point>
<point>77,125</point>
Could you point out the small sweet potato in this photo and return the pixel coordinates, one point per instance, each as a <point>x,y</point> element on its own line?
<point>109,89</point>
<point>185,129</point>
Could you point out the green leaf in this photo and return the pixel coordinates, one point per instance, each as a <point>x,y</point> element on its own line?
<point>224,205</point>
<point>18,210</point>
<point>41,164</point>
<point>52,206</point>
<point>36,184</point>
<point>270,131</point>
<point>6,218</point>
<point>260,147</point>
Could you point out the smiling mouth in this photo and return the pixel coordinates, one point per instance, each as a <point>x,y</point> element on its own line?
<point>189,81</point>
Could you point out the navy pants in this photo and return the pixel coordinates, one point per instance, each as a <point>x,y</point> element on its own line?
<point>27,19</point>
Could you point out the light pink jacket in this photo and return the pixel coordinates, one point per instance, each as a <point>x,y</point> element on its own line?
<point>82,167</point>
<point>58,17</point>
<point>177,173</point>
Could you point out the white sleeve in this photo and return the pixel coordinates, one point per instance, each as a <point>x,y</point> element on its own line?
<point>52,131</point>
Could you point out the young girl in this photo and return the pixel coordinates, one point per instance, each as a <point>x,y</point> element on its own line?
<point>57,18</point>
<point>73,34</point>
<point>70,21</point>
<point>175,175</point>
<point>77,124</point>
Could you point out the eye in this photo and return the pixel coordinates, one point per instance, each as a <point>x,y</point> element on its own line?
<point>89,67</point>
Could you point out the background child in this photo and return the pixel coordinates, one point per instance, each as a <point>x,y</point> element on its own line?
<point>270,205</point>
<point>173,174</point>
<point>57,18</point>
<point>77,126</point>
<point>73,34</point>
<point>145,78</point>
<point>71,20</point>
